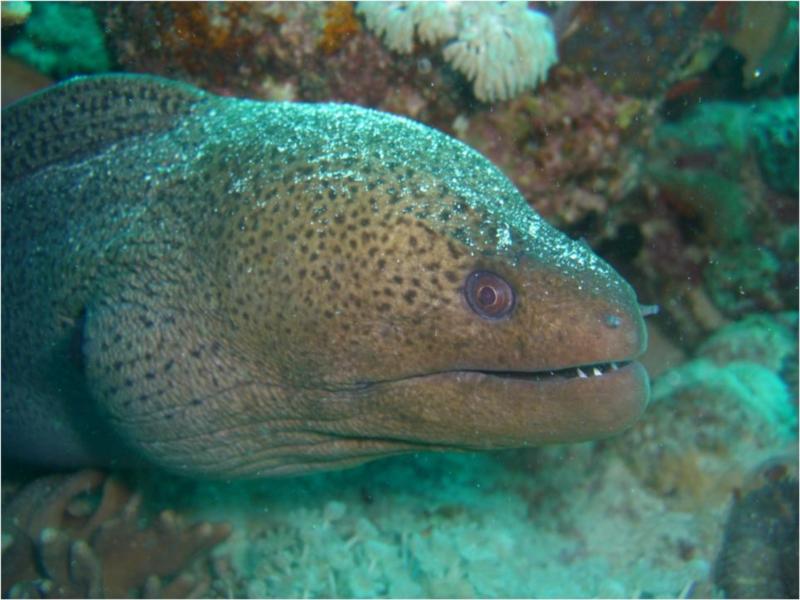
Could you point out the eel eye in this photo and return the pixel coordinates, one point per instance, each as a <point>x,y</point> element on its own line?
<point>489,295</point>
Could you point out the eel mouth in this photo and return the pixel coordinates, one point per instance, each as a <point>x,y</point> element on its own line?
<point>594,372</point>
<point>577,372</point>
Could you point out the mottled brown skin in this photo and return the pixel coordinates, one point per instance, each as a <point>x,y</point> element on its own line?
<point>236,289</point>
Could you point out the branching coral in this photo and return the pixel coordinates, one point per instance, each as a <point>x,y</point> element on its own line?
<point>502,47</point>
<point>80,536</point>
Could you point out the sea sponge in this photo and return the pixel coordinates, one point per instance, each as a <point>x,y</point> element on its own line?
<point>504,48</point>
<point>707,426</point>
<point>760,338</point>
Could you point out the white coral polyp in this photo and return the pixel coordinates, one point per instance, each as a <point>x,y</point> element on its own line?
<point>502,47</point>
<point>436,21</point>
<point>392,20</point>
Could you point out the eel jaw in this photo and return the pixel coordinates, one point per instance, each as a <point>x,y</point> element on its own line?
<point>476,409</point>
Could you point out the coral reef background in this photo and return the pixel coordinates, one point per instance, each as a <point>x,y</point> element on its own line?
<point>666,136</point>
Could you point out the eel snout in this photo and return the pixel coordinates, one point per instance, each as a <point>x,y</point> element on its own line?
<point>561,367</point>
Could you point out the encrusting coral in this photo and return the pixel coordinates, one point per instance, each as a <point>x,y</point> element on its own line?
<point>80,535</point>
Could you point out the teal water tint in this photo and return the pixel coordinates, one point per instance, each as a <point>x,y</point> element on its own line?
<point>698,498</point>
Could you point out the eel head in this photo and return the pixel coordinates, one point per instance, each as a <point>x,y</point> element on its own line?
<point>424,305</point>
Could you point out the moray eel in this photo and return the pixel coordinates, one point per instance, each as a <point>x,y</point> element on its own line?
<point>232,288</point>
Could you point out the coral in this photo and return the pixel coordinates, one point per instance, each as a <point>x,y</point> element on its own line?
<point>502,47</point>
<point>708,425</point>
<point>761,339</point>
<point>759,554</point>
<point>340,25</point>
<point>698,160</point>
<point>765,34</point>
<point>721,225</point>
<point>61,39</point>
<point>563,148</point>
<point>503,52</point>
<point>81,535</point>
<point>744,279</point>
<point>774,133</point>
<point>396,22</point>
<point>635,49</point>
<point>15,12</point>
<point>212,44</point>
<point>305,51</point>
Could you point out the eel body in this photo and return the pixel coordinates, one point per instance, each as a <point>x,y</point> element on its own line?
<point>232,288</point>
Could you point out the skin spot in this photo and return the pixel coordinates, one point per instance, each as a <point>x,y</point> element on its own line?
<point>409,296</point>
<point>454,252</point>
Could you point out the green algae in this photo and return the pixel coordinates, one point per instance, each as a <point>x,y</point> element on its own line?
<point>62,39</point>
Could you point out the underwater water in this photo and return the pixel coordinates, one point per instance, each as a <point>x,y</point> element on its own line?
<point>218,304</point>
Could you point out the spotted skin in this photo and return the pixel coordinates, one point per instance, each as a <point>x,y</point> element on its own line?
<point>231,288</point>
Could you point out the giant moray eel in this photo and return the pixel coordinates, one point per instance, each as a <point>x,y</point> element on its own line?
<point>232,288</point>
